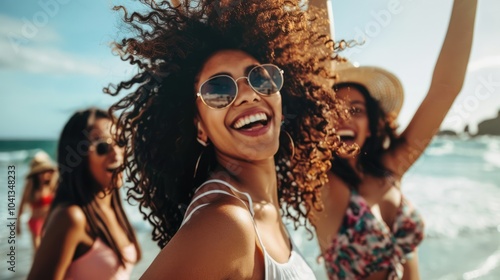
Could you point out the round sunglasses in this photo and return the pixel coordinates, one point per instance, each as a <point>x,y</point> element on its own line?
<point>102,146</point>
<point>220,91</point>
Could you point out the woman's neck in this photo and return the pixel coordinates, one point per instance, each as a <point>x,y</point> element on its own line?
<point>103,199</point>
<point>257,178</point>
<point>354,164</point>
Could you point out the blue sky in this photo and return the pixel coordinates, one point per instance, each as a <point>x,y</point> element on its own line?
<point>55,57</point>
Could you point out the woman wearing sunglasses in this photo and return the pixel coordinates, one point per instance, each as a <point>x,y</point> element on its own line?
<point>225,123</point>
<point>87,234</point>
<point>368,229</point>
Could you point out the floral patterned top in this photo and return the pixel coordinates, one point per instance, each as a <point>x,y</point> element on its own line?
<point>365,245</point>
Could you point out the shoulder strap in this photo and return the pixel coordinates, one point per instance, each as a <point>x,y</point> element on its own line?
<point>190,213</point>
<point>249,206</point>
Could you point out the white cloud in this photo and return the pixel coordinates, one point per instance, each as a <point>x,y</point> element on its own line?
<point>50,61</point>
<point>483,63</point>
<point>35,51</point>
<point>26,32</point>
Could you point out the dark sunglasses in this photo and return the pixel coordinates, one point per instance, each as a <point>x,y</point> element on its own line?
<point>220,91</point>
<point>102,146</point>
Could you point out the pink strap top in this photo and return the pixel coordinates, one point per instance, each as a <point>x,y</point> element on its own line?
<point>365,245</point>
<point>100,262</point>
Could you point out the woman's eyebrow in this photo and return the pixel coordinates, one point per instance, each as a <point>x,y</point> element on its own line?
<point>247,70</point>
<point>96,134</point>
<point>358,102</point>
<point>220,73</point>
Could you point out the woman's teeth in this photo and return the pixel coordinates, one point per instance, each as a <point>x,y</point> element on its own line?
<point>112,167</point>
<point>346,134</point>
<point>245,121</point>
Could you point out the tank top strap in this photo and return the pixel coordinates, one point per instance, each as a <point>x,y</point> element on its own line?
<point>190,212</point>
<point>249,206</point>
<point>296,268</point>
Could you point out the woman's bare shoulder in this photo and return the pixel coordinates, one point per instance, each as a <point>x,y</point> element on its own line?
<point>219,239</point>
<point>68,216</point>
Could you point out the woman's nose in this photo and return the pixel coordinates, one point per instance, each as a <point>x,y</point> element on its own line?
<point>246,94</point>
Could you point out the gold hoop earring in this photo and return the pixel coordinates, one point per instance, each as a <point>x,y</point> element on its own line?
<point>197,163</point>
<point>291,143</point>
<point>386,143</point>
<point>203,143</point>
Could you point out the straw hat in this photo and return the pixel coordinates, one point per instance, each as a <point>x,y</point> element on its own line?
<point>41,162</point>
<point>382,85</point>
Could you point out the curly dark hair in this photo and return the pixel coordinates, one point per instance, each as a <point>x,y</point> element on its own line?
<point>381,127</point>
<point>155,121</point>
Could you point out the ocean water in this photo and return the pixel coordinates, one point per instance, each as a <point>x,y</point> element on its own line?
<point>455,185</point>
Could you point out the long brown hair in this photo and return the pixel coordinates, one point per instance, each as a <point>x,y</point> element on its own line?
<point>77,185</point>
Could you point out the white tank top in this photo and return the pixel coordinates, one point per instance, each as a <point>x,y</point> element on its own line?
<point>295,268</point>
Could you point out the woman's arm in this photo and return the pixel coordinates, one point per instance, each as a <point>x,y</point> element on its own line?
<point>27,190</point>
<point>447,81</point>
<point>65,229</point>
<point>218,242</point>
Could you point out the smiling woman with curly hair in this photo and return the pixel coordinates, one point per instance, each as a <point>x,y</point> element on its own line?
<point>225,123</point>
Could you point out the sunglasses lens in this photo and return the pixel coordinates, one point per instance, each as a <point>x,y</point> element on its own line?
<point>266,79</point>
<point>102,148</point>
<point>218,92</point>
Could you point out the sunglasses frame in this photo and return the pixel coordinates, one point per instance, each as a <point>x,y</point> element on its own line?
<point>94,144</point>
<point>235,81</point>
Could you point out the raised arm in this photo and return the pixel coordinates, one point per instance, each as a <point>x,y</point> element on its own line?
<point>64,231</point>
<point>447,81</point>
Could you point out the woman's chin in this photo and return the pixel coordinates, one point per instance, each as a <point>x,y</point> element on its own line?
<point>118,184</point>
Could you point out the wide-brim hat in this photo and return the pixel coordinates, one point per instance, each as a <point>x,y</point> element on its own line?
<point>41,162</point>
<point>382,85</point>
